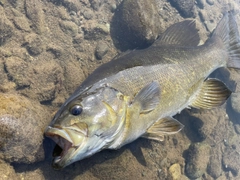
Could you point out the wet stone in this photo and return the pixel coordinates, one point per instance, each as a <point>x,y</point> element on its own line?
<point>101,50</point>
<point>35,13</point>
<point>139,22</point>
<point>88,14</point>
<point>175,172</point>
<point>7,172</point>
<point>210,2</point>
<point>235,102</point>
<point>22,23</point>
<point>95,4</point>
<point>215,167</point>
<point>69,28</point>
<point>21,129</point>
<point>6,28</point>
<point>185,7</point>
<point>34,44</point>
<point>197,160</point>
<point>231,161</point>
<point>201,3</point>
<point>237,128</point>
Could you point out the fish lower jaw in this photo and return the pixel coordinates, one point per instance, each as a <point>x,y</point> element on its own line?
<point>62,160</point>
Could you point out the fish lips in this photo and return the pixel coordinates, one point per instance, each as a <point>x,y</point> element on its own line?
<point>68,142</point>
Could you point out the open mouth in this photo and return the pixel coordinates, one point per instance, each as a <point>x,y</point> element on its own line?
<point>68,141</point>
<point>64,146</point>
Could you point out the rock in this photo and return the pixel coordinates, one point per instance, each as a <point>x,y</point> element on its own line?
<point>237,128</point>
<point>201,3</point>
<point>235,101</point>
<point>210,2</point>
<point>35,13</point>
<point>22,23</point>
<point>22,123</point>
<point>55,50</point>
<point>30,175</point>
<point>39,80</point>
<point>34,44</point>
<point>7,172</point>
<point>214,167</point>
<point>73,79</point>
<point>69,28</point>
<point>175,172</point>
<point>197,160</point>
<point>138,23</point>
<point>101,50</point>
<point>87,14</point>
<point>95,4</point>
<point>6,28</point>
<point>185,7</point>
<point>95,31</point>
<point>2,2</point>
<point>231,161</point>
<point>72,5</point>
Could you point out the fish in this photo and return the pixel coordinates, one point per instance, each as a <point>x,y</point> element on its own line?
<point>138,93</point>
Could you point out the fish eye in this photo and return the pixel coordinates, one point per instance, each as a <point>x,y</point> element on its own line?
<point>76,110</point>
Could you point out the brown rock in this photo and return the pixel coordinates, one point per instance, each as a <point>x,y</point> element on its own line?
<point>139,22</point>
<point>7,172</point>
<point>6,28</point>
<point>22,123</point>
<point>35,13</point>
<point>68,27</point>
<point>39,80</point>
<point>197,160</point>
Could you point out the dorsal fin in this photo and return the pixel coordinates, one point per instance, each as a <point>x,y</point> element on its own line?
<point>183,33</point>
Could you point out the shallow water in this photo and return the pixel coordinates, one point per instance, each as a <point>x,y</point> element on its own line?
<point>47,48</point>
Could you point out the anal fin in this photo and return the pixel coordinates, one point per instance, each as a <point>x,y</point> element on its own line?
<point>163,127</point>
<point>212,94</point>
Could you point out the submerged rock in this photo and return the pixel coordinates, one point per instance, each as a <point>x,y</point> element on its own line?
<point>22,123</point>
<point>6,28</point>
<point>185,7</point>
<point>7,172</point>
<point>35,13</point>
<point>101,50</point>
<point>139,22</point>
<point>197,160</point>
<point>235,102</point>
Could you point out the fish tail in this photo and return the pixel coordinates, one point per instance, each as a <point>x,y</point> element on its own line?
<point>227,30</point>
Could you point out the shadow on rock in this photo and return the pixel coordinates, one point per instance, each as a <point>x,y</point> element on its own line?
<point>192,125</point>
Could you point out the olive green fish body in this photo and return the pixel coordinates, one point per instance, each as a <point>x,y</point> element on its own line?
<point>136,94</point>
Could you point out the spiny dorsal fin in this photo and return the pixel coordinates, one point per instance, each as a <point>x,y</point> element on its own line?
<point>164,126</point>
<point>213,93</point>
<point>148,97</point>
<point>183,33</point>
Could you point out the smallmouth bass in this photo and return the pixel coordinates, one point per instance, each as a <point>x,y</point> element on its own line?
<point>137,94</point>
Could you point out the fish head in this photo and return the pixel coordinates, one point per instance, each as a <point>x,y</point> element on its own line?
<point>86,125</point>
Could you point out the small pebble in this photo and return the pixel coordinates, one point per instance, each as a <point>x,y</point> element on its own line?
<point>210,2</point>
<point>201,3</point>
<point>101,50</point>
<point>87,14</point>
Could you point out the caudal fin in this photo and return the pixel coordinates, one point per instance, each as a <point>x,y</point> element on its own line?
<point>227,30</point>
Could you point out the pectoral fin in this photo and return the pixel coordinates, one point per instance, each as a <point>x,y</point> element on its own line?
<point>212,94</point>
<point>162,127</point>
<point>148,97</point>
